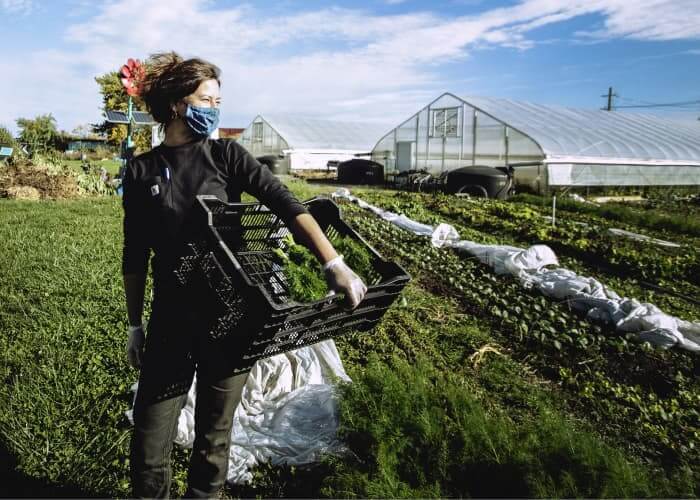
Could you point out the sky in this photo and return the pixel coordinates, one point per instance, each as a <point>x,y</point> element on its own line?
<point>368,60</point>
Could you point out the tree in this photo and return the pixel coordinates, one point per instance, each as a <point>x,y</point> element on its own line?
<point>6,138</point>
<point>39,134</point>
<point>115,97</point>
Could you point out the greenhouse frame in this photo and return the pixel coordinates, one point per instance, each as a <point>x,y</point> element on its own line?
<point>309,143</point>
<point>548,146</point>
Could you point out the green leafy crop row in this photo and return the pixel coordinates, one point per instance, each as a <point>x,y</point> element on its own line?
<point>551,337</point>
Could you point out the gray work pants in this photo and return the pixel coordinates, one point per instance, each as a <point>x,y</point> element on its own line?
<point>172,355</point>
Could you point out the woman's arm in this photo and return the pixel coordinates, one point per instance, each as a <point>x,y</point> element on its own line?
<point>306,231</point>
<point>339,276</point>
<point>136,252</point>
<point>134,290</point>
<point>259,181</point>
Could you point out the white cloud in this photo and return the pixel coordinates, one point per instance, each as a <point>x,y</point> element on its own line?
<point>344,63</point>
<point>647,19</point>
<point>17,6</point>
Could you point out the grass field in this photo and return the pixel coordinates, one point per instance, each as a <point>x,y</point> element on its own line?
<point>432,412</point>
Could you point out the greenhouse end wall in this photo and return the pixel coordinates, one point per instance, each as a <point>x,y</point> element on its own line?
<point>260,139</point>
<point>449,134</point>
<point>307,143</point>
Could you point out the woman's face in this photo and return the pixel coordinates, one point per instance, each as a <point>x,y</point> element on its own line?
<point>207,95</point>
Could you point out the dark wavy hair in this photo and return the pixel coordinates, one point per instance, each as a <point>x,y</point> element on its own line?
<point>168,78</point>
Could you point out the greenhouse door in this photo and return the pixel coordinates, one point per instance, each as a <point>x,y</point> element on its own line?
<point>404,155</point>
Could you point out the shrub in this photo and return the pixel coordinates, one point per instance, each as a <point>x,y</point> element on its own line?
<point>6,138</point>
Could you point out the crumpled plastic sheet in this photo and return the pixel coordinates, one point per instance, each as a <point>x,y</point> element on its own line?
<point>588,295</point>
<point>287,414</point>
<point>642,237</point>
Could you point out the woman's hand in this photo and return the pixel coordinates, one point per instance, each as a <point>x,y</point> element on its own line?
<point>342,279</point>
<point>134,346</point>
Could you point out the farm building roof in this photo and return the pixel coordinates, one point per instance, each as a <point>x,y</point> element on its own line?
<point>575,132</point>
<point>312,133</point>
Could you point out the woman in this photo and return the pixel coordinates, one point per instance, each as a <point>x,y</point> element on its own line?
<point>160,187</point>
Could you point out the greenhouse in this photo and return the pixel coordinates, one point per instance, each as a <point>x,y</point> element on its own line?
<point>546,145</point>
<point>309,143</point>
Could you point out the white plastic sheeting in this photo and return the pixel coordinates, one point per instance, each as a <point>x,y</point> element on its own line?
<point>586,294</point>
<point>575,132</point>
<point>586,172</point>
<point>287,414</point>
<point>642,237</point>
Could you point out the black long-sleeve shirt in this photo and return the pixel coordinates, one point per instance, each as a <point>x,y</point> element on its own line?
<point>160,187</point>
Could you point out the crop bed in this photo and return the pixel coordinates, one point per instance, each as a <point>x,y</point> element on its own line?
<point>470,385</point>
<point>649,395</point>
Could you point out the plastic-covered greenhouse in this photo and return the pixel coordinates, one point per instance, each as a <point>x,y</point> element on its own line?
<point>309,143</point>
<point>547,145</point>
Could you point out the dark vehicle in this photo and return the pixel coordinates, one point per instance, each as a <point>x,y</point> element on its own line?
<point>480,181</point>
<point>359,171</point>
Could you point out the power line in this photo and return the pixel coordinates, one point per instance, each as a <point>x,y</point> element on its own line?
<point>634,100</point>
<point>662,105</point>
<point>687,105</point>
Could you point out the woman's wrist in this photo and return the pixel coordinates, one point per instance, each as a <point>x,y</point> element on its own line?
<point>333,262</point>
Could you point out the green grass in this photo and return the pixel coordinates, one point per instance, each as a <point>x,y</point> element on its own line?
<point>423,418</point>
<point>61,350</point>
<point>416,432</point>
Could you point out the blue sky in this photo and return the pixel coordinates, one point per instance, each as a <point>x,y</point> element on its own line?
<point>369,60</point>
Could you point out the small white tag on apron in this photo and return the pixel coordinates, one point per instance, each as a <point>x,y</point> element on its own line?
<point>155,190</point>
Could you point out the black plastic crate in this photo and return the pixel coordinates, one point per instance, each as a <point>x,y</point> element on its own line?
<point>242,291</point>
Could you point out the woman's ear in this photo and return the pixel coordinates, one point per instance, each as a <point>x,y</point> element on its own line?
<point>178,109</point>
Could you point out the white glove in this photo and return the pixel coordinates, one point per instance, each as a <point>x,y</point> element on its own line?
<point>342,279</point>
<point>134,346</point>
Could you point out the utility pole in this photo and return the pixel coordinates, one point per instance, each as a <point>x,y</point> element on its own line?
<point>610,96</point>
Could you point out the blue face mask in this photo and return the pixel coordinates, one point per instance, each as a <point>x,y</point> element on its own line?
<point>202,121</point>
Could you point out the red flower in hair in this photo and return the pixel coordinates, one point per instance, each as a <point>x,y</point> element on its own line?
<point>131,74</point>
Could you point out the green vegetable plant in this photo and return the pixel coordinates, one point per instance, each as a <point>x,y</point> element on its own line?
<point>304,278</point>
<point>552,337</point>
